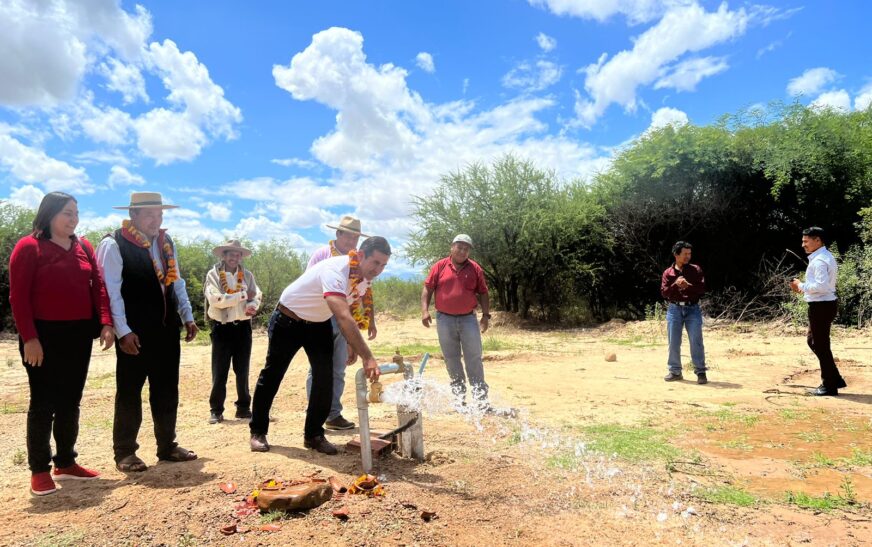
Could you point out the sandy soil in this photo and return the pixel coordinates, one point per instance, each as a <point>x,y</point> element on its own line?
<point>602,452</point>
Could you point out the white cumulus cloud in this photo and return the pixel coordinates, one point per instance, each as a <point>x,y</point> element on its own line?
<point>685,75</point>
<point>682,30</point>
<point>863,99</point>
<point>834,100</point>
<point>33,166</point>
<point>28,196</point>
<point>546,43</point>
<point>425,62</point>
<point>120,176</point>
<point>218,211</point>
<point>534,76</point>
<point>636,11</point>
<point>812,81</point>
<point>46,45</point>
<point>668,116</point>
<point>124,78</point>
<point>388,144</point>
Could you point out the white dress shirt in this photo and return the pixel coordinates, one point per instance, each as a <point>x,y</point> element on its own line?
<point>820,277</point>
<point>109,260</point>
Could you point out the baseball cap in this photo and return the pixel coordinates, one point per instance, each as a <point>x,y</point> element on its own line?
<point>462,238</point>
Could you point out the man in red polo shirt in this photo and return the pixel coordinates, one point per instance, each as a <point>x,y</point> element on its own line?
<point>460,287</point>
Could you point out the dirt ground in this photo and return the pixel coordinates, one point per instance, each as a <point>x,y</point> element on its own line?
<point>600,453</point>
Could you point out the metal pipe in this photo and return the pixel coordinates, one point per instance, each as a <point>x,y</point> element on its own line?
<point>423,363</point>
<point>363,412</point>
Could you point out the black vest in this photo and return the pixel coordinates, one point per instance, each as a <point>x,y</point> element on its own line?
<point>147,307</point>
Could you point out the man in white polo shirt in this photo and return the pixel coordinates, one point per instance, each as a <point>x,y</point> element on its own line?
<point>302,320</point>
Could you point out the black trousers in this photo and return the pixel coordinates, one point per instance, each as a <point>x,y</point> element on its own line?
<point>56,391</point>
<point>286,337</point>
<point>158,362</point>
<point>820,320</point>
<point>231,342</point>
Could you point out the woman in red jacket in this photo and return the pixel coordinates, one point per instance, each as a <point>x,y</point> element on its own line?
<point>56,294</point>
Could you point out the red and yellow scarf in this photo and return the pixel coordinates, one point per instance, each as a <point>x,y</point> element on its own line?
<point>361,307</point>
<point>168,259</point>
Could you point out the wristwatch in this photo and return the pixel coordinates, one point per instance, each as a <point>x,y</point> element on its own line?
<point>485,316</point>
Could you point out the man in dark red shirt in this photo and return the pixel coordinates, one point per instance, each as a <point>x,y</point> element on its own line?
<point>459,285</point>
<point>682,285</point>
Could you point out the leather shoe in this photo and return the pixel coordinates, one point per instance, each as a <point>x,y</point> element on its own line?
<point>243,414</point>
<point>321,444</point>
<point>339,423</point>
<point>672,377</point>
<point>258,443</point>
<point>841,383</point>
<point>701,379</point>
<point>215,417</point>
<point>822,391</point>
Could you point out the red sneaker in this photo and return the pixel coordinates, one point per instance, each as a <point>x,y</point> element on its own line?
<point>41,484</point>
<point>75,472</point>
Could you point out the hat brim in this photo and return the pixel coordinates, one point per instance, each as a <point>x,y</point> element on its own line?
<point>145,206</point>
<point>349,230</point>
<point>219,251</point>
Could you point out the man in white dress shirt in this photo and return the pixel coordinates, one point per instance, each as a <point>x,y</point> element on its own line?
<point>819,290</point>
<point>149,303</point>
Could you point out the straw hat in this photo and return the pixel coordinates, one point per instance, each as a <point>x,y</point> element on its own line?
<point>231,245</point>
<point>349,224</point>
<point>141,200</point>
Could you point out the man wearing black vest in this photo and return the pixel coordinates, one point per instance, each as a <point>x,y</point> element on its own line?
<point>148,300</point>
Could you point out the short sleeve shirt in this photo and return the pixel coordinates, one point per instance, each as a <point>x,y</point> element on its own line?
<point>306,296</point>
<point>456,289</point>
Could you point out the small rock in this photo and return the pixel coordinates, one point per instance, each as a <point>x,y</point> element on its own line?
<point>611,357</point>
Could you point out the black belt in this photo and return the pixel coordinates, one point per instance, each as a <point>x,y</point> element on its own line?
<point>236,322</point>
<point>685,303</point>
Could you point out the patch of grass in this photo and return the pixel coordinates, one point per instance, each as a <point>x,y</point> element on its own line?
<point>631,443</point>
<point>789,414</point>
<point>514,438</point>
<point>859,458</point>
<point>405,349</point>
<point>725,415</point>
<point>811,436</point>
<point>728,495</point>
<point>825,503</point>
<point>739,443</point>
<point>635,341</point>
<point>272,516</point>
<point>10,362</point>
<point>19,457</point>
<point>13,408</point>
<point>819,460</point>
<point>729,405</point>
<point>102,381</point>
<point>495,343</point>
<point>203,338</point>
<point>187,540</point>
<point>103,423</point>
<point>73,538</point>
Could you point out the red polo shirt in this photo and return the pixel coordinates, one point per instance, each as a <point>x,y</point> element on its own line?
<point>456,289</point>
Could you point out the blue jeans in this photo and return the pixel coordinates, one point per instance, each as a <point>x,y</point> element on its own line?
<point>340,355</point>
<point>460,334</point>
<point>678,318</point>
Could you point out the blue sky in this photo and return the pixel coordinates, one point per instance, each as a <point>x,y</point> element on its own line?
<point>272,121</point>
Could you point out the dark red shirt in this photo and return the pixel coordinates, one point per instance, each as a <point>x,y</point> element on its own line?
<point>456,289</point>
<point>693,274</point>
<point>51,283</point>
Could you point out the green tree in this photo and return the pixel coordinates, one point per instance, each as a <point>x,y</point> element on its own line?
<point>15,223</point>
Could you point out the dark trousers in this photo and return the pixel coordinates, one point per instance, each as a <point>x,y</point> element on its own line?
<point>820,320</point>
<point>231,342</point>
<point>158,361</point>
<point>286,337</point>
<point>56,391</point>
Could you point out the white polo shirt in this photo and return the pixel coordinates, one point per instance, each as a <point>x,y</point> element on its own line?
<point>307,295</point>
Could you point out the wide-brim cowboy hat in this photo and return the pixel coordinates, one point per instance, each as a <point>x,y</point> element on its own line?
<point>141,200</point>
<point>231,245</point>
<point>349,224</point>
